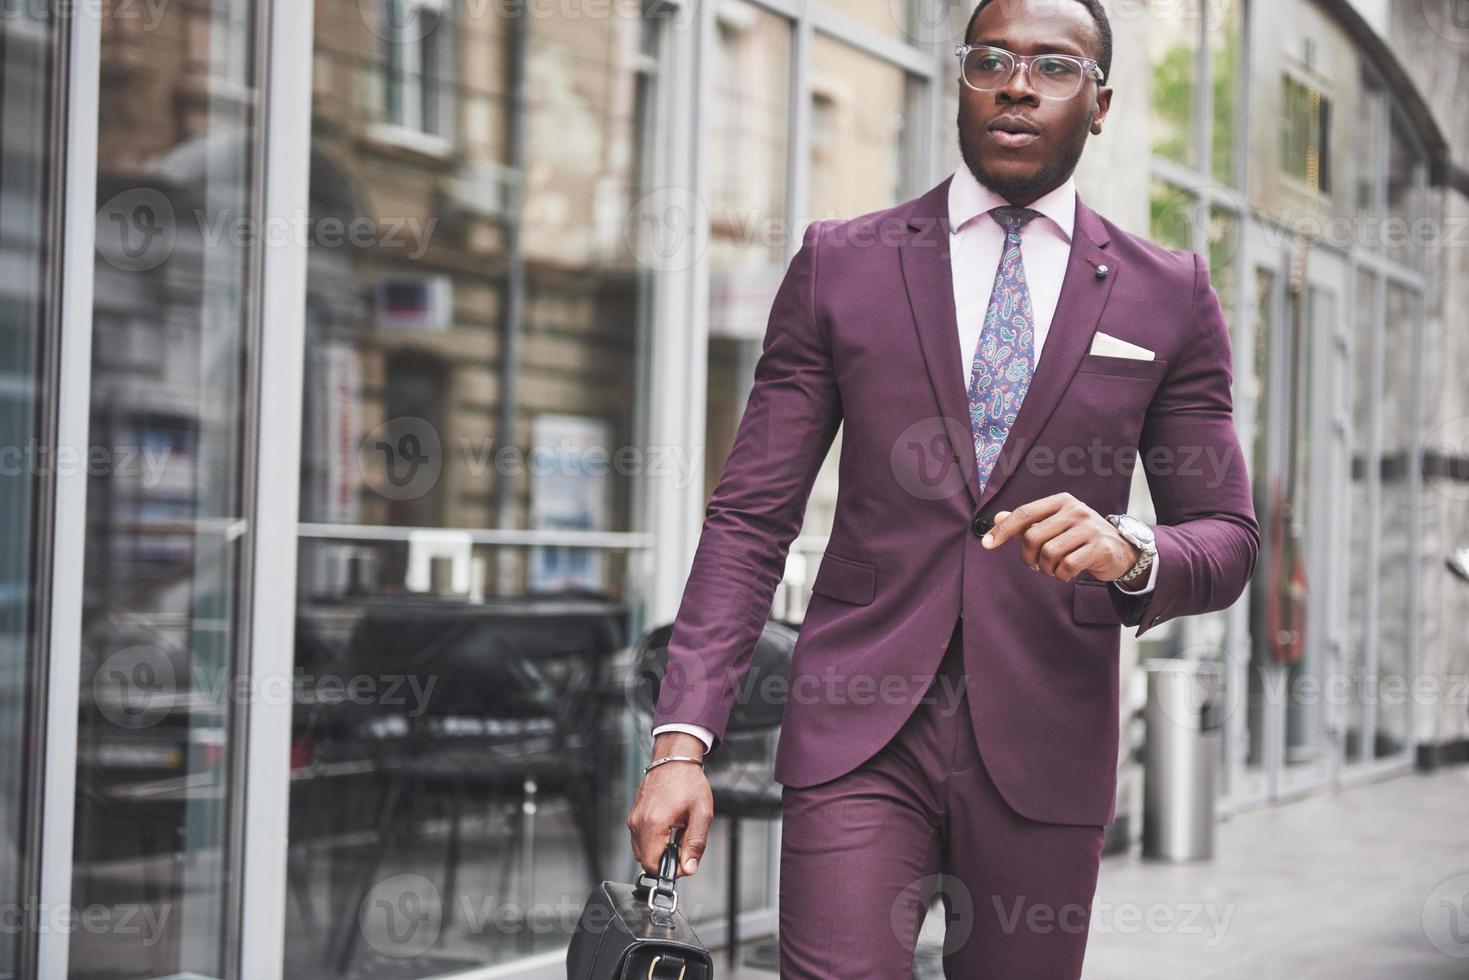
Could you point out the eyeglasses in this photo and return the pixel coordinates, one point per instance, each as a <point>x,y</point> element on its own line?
<point>986,68</point>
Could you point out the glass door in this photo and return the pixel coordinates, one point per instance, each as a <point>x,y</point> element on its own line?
<point>1283,738</point>
<point>1316,455</point>
<point>167,514</point>
<point>28,48</point>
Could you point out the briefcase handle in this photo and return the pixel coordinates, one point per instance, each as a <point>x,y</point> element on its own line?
<point>667,873</point>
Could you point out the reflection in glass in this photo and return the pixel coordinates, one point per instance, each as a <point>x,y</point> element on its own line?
<point>472,368</point>
<point>1171,215</point>
<point>456,762</point>
<point>749,234</point>
<point>166,522</point>
<point>1226,21</point>
<point>27,49</point>
<point>1173,50</point>
<point>1223,247</point>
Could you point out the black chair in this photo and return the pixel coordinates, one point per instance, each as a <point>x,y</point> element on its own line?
<point>515,715</point>
<point>741,770</point>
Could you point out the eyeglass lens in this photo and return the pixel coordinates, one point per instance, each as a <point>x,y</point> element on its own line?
<point>1052,76</point>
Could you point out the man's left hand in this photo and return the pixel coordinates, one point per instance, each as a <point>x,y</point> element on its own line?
<point>1063,537</point>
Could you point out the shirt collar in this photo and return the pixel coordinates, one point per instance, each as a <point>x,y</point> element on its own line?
<point>968,198</point>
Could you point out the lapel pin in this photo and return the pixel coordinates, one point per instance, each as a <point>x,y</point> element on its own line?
<point>1102,272</point>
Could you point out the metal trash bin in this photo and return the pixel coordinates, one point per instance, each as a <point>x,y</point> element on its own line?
<point>1181,758</point>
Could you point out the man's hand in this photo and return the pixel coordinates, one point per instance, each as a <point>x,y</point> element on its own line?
<point>675,794</point>
<point>1062,536</point>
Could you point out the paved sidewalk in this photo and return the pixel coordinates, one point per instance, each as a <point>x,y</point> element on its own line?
<point>1356,885</point>
<point>1367,883</point>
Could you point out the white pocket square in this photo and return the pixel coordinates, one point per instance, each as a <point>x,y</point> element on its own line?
<point>1109,346</point>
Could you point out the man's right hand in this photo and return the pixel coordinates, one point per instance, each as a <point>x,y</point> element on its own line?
<point>675,794</point>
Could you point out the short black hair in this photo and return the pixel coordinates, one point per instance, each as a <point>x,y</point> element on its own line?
<point>1093,7</point>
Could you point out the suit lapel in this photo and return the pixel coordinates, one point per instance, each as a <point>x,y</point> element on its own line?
<point>928,276</point>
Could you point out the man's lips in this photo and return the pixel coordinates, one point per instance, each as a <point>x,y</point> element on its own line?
<point>1013,132</point>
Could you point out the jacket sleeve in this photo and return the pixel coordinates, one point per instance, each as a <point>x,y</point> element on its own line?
<point>756,510</point>
<point>1207,535</point>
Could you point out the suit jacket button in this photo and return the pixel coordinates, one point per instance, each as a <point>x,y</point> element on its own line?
<point>980,526</point>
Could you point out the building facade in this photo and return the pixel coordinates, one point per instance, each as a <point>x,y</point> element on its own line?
<point>367,365</point>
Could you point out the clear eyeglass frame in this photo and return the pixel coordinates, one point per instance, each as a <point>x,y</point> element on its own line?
<point>1084,67</point>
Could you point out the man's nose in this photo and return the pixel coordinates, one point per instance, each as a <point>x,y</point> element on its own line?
<point>1018,88</point>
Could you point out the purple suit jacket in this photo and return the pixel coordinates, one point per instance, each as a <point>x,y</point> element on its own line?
<point>862,331</point>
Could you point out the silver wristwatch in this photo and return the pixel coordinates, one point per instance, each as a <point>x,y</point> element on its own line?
<point>1140,536</point>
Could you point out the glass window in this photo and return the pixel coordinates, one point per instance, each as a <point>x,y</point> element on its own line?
<point>417,43</point>
<point>1404,194</point>
<point>1305,134</point>
<point>749,233</point>
<point>1171,215</point>
<point>27,50</point>
<point>1173,51</point>
<point>476,352</point>
<point>1226,21</point>
<point>862,137</point>
<point>1223,246</point>
<point>167,528</point>
<point>895,18</point>
<point>1368,132</point>
<point>1261,387</point>
<point>1298,577</point>
<point>1360,519</point>
<point>1396,464</point>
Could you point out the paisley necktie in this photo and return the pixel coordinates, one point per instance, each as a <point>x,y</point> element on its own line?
<point>1004,360</point>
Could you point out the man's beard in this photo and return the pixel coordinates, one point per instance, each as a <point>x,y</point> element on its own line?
<point>1043,180</point>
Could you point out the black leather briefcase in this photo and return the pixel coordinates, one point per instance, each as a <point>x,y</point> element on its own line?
<point>635,932</point>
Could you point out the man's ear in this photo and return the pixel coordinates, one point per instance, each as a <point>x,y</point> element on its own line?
<point>1104,102</point>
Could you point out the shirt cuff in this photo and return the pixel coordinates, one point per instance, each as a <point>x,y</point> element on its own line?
<point>705,735</point>
<point>1152,581</point>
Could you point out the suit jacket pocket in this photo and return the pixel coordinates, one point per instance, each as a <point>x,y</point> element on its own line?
<point>845,578</point>
<point>1122,367</point>
<point>1091,603</point>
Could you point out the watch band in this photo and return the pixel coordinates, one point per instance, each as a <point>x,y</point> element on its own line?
<point>1144,561</point>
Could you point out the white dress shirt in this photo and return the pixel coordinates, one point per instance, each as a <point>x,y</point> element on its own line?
<point>976,241</point>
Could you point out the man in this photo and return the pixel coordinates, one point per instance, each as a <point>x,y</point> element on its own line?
<point>1000,356</point>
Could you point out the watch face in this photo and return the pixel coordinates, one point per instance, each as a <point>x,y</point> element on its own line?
<point>1134,529</point>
